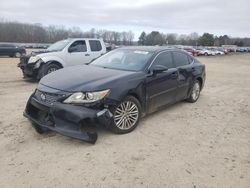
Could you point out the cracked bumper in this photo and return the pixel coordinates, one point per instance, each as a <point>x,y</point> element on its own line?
<point>29,70</point>
<point>70,120</point>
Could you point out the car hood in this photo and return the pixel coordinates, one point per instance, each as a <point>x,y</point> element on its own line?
<point>42,54</point>
<point>84,78</point>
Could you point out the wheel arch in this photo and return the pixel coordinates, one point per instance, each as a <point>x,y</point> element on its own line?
<point>40,71</point>
<point>135,95</point>
<point>139,98</point>
<point>54,62</point>
<point>200,81</point>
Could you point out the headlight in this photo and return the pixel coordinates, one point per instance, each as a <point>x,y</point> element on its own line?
<point>33,59</point>
<point>88,97</point>
<point>38,63</point>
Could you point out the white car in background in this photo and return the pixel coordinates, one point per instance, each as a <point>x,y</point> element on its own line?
<point>65,53</point>
<point>217,52</point>
<point>205,52</point>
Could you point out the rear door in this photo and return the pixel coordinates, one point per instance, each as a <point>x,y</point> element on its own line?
<point>184,64</point>
<point>1,49</point>
<point>12,49</point>
<point>161,88</point>
<point>96,48</point>
<point>78,53</point>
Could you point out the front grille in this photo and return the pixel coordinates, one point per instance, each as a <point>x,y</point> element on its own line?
<point>47,98</point>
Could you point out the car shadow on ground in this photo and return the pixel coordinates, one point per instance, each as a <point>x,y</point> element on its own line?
<point>30,80</point>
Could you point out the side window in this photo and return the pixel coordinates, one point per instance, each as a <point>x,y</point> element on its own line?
<point>78,46</point>
<point>180,59</point>
<point>5,45</point>
<point>95,45</point>
<point>165,59</point>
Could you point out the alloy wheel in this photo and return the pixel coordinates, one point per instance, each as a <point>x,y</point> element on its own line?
<point>126,115</point>
<point>195,91</point>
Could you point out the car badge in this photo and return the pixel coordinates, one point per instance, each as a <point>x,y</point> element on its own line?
<point>43,97</point>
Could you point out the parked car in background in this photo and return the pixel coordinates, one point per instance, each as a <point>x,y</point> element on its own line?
<point>115,90</point>
<point>206,52</point>
<point>224,50</point>
<point>242,49</point>
<point>11,50</point>
<point>190,53</point>
<point>65,53</point>
<point>216,52</point>
<point>191,50</point>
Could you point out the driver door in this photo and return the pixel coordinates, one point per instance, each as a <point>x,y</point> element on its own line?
<point>161,88</point>
<point>78,53</point>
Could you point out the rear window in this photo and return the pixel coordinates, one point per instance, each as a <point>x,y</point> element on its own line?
<point>180,59</point>
<point>95,45</point>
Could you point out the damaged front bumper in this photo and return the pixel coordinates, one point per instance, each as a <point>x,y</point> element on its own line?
<point>70,120</point>
<point>29,69</point>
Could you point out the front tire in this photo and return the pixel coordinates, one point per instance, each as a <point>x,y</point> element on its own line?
<point>51,68</point>
<point>126,116</point>
<point>46,69</point>
<point>195,92</point>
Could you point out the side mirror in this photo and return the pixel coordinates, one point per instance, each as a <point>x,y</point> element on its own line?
<point>158,69</point>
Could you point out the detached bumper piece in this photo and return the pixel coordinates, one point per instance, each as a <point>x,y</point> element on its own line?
<point>66,119</point>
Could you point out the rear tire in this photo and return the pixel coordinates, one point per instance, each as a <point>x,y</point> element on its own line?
<point>195,92</point>
<point>126,116</point>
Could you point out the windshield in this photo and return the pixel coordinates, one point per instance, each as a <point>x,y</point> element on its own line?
<point>58,46</point>
<point>124,59</point>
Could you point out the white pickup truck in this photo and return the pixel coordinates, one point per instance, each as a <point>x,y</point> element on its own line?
<point>61,54</point>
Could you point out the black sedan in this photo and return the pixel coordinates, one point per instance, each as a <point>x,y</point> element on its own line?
<point>115,90</point>
<point>11,50</point>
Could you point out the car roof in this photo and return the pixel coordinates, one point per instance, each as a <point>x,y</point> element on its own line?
<point>154,49</point>
<point>7,44</point>
<point>72,39</point>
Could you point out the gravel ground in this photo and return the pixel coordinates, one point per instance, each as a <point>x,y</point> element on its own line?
<point>205,144</point>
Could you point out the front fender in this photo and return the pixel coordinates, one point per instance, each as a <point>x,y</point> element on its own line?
<point>134,88</point>
<point>54,58</point>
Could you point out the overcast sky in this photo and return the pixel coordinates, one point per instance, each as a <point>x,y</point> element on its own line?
<point>230,17</point>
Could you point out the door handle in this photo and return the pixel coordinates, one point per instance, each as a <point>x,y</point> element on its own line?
<point>174,75</point>
<point>87,54</point>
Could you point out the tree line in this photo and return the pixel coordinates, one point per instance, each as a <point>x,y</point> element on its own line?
<point>192,39</point>
<point>37,33</point>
